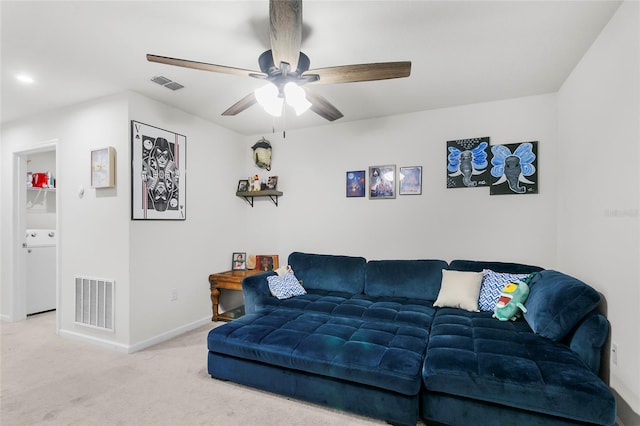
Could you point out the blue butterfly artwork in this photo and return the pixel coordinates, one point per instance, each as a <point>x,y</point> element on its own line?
<point>514,168</point>
<point>467,165</point>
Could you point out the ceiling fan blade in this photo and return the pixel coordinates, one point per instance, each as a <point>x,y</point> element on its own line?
<point>362,72</point>
<point>285,24</point>
<point>201,66</point>
<point>241,105</point>
<point>321,106</point>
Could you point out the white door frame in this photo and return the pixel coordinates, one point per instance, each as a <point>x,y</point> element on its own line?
<point>17,285</point>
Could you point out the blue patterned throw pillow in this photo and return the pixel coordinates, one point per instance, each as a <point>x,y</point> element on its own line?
<point>492,285</point>
<point>286,286</point>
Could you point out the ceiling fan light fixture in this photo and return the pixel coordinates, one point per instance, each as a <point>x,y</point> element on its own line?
<point>269,99</point>
<point>296,98</point>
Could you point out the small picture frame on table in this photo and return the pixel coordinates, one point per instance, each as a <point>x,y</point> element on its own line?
<point>239,261</point>
<point>267,262</point>
<point>410,180</point>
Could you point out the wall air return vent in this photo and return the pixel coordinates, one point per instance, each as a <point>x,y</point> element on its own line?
<point>95,303</point>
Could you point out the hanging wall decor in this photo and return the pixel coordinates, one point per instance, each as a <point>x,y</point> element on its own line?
<point>103,171</point>
<point>515,168</point>
<point>355,183</point>
<point>158,159</point>
<point>410,180</point>
<point>262,153</point>
<point>467,165</point>
<point>382,182</point>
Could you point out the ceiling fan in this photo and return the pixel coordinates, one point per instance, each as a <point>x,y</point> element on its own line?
<point>287,68</point>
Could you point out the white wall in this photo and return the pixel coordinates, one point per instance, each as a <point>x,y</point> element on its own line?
<point>598,184</point>
<point>97,237</point>
<point>92,240</point>
<point>180,255</point>
<point>315,215</point>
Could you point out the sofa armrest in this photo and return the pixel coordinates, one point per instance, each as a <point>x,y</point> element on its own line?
<point>255,289</point>
<point>588,338</point>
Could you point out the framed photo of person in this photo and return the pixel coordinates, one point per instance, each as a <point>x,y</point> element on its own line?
<point>239,261</point>
<point>243,185</point>
<point>267,262</point>
<point>272,182</point>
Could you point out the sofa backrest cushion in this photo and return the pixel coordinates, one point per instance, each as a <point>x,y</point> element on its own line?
<point>328,272</point>
<point>505,267</point>
<point>557,302</point>
<point>414,279</point>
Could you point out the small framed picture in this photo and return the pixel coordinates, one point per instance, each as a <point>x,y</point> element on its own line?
<point>272,182</point>
<point>239,261</point>
<point>243,185</point>
<point>103,172</point>
<point>267,262</point>
<point>410,180</point>
<point>355,183</point>
<point>382,182</point>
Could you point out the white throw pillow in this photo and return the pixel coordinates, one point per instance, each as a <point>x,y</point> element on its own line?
<point>459,289</point>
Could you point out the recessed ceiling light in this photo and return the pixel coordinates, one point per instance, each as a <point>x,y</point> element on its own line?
<point>25,78</point>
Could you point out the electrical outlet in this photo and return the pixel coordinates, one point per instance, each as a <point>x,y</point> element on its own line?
<point>614,353</point>
<point>174,294</point>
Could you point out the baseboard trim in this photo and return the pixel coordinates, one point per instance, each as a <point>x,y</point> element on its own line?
<point>169,334</point>
<point>108,344</point>
<point>120,347</point>
<point>5,318</point>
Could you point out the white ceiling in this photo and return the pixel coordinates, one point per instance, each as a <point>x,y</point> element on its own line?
<point>462,52</point>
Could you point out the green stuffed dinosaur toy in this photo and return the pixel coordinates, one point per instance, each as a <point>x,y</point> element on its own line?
<point>511,301</point>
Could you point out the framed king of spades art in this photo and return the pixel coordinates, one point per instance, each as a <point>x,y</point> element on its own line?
<point>158,166</point>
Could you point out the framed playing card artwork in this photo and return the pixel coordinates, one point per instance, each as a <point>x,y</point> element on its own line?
<point>158,173</point>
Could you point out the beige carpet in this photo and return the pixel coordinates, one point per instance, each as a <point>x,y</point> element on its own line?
<point>48,379</point>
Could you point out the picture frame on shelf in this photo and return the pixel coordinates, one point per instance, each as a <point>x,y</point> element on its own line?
<point>410,180</point>
<point>239,261</point>
<point>103,171</point>
<point>382,182</point>
<point>355,183</point>
<point>243,185</point>
<point>267,262</point>
<point>272,183</point>
<point>158,173</point>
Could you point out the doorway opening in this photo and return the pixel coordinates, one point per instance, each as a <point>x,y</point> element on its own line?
<point>35,230</point>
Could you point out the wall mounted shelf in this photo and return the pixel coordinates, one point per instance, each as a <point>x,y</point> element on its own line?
<point>249,195</point>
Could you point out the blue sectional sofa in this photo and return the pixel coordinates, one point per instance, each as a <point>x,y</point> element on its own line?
<point>367,338</point>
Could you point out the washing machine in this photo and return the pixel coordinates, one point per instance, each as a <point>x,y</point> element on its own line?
<point>40,246</point>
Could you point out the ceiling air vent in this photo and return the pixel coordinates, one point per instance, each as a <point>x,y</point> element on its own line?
<point>164,81</point>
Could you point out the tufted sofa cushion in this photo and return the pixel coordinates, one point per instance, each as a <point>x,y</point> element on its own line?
<point>384,355</point>
<point>473,355</point>
<point>391,309</point>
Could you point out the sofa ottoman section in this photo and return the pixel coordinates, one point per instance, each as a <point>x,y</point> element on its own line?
<point>290,352</point>
<point>388,356</point>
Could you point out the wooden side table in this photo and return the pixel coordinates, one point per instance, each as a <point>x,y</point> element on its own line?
<point>231,280</point>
